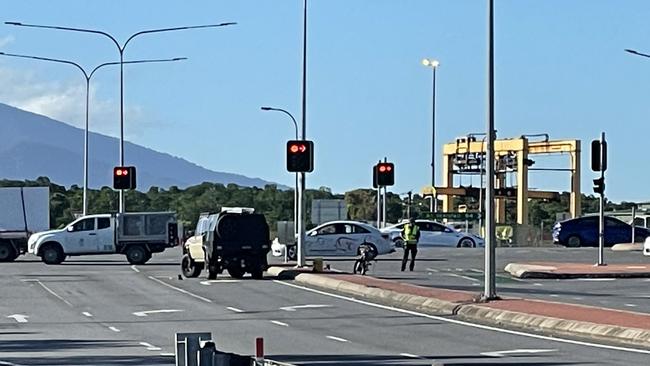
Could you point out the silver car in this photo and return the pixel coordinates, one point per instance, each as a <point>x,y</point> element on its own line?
<point>435,234</point>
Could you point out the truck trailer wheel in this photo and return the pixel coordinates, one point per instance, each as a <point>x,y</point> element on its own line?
<point>189,267</point>
<point>137,254</point>
<point>52,253</point>
<point>7,252</point>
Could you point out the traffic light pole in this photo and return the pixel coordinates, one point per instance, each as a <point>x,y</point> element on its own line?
<point>601,205</point>
<point>301,192</point>
<point>378,207</point>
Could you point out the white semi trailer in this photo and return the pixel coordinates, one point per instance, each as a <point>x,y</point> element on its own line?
<point>23,211</point>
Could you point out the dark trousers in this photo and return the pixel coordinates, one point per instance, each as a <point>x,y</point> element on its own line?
<point>413,249</point>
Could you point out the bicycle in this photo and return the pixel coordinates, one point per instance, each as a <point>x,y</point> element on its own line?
<point>362,264</point>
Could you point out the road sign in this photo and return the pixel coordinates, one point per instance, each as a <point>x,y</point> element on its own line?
<point>454,216</point>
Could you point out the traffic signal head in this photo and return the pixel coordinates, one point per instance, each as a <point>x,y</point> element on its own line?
<point>124,177</point>
<point>385,174</point>
<point>599,185</point>
<point>598,155</point>
<point>300,156</point>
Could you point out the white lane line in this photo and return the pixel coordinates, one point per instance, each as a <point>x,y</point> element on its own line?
<point>133,267</point>
<point>631,305</point>
<point>537,284</point>
<point>577,298</point>
<point>464,323</point>
<point>516,351</point>
<point>85,313</point>
<point>554,295</point>
<point>210,282</point>
<point>432,270</point>
<point>279,323</point>
<point>463,277</point>
<point>53,293</point>
<point>114,329</point>
<point>342,340</point>
<point>180,290</point>
<point>20,318</point>
<point>308,306</point>
<point>235,309</point>
<point>168,354</point>
<point>637,267</point>
<point>5,363</point>
<point>410,355</point>
<point>150,347</point>
<point>147,312</point>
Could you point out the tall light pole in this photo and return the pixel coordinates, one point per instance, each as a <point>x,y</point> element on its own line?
<point>433,64</point>
<point>303,181</point>
<point>87,76</point>
<point>121,49</point>
<point>490,260</point>
<point>295,191</point>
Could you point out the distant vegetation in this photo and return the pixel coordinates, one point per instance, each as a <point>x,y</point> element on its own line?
<point>276,204</point>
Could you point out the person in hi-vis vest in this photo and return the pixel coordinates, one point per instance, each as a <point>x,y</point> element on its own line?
<point>411,235</point>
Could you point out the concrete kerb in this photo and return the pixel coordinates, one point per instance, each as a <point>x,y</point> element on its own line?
<point>521,270</point>
<point>482,314</point>
<point>603,332</point>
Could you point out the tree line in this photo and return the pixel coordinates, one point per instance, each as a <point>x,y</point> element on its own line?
<point>276,204</point>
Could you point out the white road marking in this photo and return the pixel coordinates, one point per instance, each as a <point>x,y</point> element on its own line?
<point>595,279</point>
<point>235,309</point>
<point>180,290</point>
<point>577,298</point>
<point>52,292</point>
<point>537,284</point>
<point>476,270</point>
<point>279,323</point>
<point>168,354</point>
<point>637,267</point>
<point>463,277</point>
<point>467,324</point>
<point>432,270</point>
<point>114,329</point>
<point>133,267</point>
<point>410,355</point>
<point>150,346</point>
<point>209,282</point>
<point>5,363</point>
<point>308,306</point>
<point>20,318</point>
<point>162,311</point>
<point>631,305</point>
<point>554,295</point>
<point>337,339</point>
<point>516,351</point>
<point>85,313</point>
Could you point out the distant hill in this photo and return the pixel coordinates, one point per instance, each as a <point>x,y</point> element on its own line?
<point>33,145</point>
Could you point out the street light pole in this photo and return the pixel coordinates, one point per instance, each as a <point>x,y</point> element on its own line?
<point>637,53</point>
<point>120,49</point>
<point>87,76</point>
<point>295,191</point>
<point>490,261</point>
<point>433,64</point>
<point>303,180</point>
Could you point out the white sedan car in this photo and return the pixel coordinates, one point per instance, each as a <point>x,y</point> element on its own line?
<point>434,234</point>
<point>339,239</point>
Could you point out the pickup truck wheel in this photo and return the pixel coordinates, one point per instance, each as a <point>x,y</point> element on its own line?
<point>236,272</point>
<point>189,267</point>
<point>137,254</point>
<point>52,254</point>
<point>7,252</point>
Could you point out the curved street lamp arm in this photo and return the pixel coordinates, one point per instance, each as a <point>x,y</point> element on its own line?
<point>295,124</point>
<point>48,59</point>
<point>174,29</point>
<point>135,62</point>
<point>83,30</point>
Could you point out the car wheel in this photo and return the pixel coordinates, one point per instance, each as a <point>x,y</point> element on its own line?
<point>7,252</point>
<point>292,252</point>
<point>190,268</point>
<point>466,243</point>
<point>574,242</point>
<point>52,254</point>
<point>399,242</point>
<point>137,254</point>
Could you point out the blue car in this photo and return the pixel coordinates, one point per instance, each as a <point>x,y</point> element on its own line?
<point>583,231</point>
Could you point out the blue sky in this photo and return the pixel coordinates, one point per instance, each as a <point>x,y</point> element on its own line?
<point>560,69</point>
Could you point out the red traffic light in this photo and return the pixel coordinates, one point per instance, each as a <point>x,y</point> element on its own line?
<point>296,148</point>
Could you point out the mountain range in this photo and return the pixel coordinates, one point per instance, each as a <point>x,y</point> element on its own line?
<point>32,145</point>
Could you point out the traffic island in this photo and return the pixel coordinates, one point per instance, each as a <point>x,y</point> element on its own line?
<point>577,321</point>
<point>558,270</point>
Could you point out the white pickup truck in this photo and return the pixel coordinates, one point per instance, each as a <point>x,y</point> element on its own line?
<point>135,234</point>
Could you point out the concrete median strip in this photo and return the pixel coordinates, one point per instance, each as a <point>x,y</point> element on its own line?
<point>512,317</point>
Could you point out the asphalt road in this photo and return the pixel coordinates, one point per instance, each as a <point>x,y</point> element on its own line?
<point>102,311</point>
<point>462,269</point>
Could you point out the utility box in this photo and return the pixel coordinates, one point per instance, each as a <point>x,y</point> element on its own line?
<point>323,211</point>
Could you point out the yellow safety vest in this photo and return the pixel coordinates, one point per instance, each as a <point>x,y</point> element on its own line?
<point>410,234</point>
